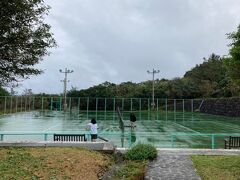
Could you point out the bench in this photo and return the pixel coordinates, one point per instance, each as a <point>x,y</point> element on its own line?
<point>232,142</point>
<point>69,137</point>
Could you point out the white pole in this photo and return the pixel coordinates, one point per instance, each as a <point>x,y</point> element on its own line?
<point>153,81</point>
<point>67,71</point>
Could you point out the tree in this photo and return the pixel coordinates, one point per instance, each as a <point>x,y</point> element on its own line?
<point>233,61</point>
<point>3,92</point>
<point>211,69</point>
<point>24,38</point>
<point>210,76</point>
<point>27,92</point>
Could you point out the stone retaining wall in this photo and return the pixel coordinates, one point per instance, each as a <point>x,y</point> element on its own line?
<point>223,106</point>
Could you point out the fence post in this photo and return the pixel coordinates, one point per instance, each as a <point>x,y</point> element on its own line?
<point>157,109</point>
<point>183,109</point>
<point>79,101</point>
<point>5,105</point>
<point>11,105</point>
<point>183,106</point>
<point>51,103</point>
<point>1,137</point>
<point>131,104</point>
<point>122,105</point>
<point>21,103</point>
<point>88,137</point>
<point>70,103</point>
<point>96,108</point>
<point>33,102</point>
<point>16,101</point>
<point>148,108</point>
<point>192,105</point>
<point>105,109</point>
<point>130,139</point>
<point>87,106</point>
<point>174,108</point>
<point>172,140</point>
<point>42,103</point>
<point>45,137</point>
<point>213,141</point>
<point>30,99</point>
<point>60,105</point>
<point>114,108</point>
<point>25,105</point>
<point>166,109</point>
<point>140,108</point>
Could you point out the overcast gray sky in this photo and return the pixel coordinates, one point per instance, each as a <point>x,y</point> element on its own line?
<point>119,40</point>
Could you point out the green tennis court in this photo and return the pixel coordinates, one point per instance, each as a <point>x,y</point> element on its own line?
<point>174,123</point>
<point>189,130</point>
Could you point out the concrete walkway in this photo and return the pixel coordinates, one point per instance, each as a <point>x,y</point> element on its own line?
<point>175,164</point>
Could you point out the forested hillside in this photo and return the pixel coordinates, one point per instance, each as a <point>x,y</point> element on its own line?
<point>208,79</point>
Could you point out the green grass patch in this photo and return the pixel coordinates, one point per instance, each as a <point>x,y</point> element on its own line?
<point>217,167</point>
<point>131,170</point>
<point>52,163</point>
<point>136,158</point>
<point>18,163</point>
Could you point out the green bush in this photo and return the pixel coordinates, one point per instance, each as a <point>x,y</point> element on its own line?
<point>141,152</point>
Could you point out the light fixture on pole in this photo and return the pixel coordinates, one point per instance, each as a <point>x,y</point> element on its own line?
<point>67,71</point>
<point>153,73</point>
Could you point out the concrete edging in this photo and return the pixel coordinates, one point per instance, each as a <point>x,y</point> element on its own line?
<point>192,151</point>
<point>98,146</point>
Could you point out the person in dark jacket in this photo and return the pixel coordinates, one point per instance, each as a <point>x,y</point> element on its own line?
<point>133,119</point>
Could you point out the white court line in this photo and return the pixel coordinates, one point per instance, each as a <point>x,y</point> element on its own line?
<point>227,125</point>
<point>59,125</point>
<point>51,127</point>
<point>186,128</point>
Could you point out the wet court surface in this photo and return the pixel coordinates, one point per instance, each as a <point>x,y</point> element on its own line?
<point>161,129</point>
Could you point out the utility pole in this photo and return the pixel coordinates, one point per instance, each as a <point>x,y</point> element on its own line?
<point>153,73</point>
<point>67,71</point>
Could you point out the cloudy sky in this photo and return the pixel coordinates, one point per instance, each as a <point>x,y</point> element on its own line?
<point>119,40</point>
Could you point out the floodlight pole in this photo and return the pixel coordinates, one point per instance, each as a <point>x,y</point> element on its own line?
<point>153,73</point>
<point>67,71</point>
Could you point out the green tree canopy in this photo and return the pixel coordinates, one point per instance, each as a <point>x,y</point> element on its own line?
<point>233,61</point>
<point>24,38</point>
<point>210,76</point>
<point>3,92</point>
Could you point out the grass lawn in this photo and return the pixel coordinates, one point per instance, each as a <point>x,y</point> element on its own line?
<point>52,163</point>
<point>217,167</point>
<point>131,170</point>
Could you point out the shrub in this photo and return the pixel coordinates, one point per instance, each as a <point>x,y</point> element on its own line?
<point>142,152</point>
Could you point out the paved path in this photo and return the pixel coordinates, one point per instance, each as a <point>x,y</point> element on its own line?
<point>171,167</point>
<point>175,164</point>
